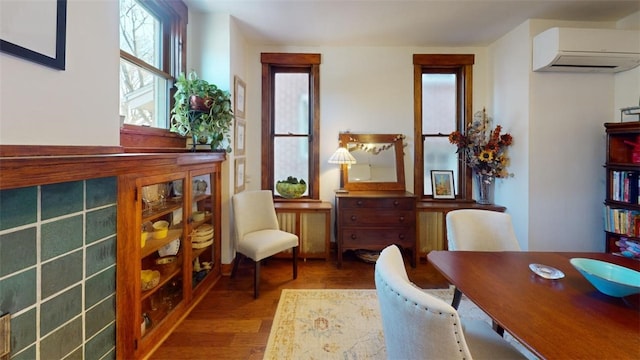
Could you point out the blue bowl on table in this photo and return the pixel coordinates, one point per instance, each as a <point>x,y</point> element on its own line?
<point>611,279</point>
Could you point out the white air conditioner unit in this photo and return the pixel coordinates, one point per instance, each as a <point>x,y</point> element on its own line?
<point>586,50</point>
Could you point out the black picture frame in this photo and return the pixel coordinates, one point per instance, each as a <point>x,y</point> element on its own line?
<point>442,185</point>
<point>57,62</point>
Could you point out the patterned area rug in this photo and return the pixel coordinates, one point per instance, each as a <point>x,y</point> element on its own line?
<point>340,324</point>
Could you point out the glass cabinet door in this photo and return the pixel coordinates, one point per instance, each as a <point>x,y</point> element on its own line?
<point>162,251</point>
<point>203,232</point>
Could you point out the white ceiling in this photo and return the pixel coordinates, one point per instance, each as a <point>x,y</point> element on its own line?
<point>447,23</point>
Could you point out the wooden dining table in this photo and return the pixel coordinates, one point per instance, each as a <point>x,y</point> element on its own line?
<point>565,318</point>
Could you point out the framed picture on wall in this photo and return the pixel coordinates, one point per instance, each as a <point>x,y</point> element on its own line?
<point>239,171</point>
<point>239,98</point>
<point>241,126</point>
<point>35,31</point>
<point>442,184</point>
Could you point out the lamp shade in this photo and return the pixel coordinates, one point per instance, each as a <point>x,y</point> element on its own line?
<point>342,156</point>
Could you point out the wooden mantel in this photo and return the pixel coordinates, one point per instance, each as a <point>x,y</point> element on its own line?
<point>22,166</point>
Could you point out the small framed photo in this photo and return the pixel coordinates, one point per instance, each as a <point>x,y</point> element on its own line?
<point>239,172</point>
<point>239,99</point>
<point>442,184</point>
<point>241,126</point>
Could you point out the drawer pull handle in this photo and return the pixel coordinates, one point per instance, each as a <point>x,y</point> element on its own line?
<point>401,236</point>
<point>359,203</point>
<point>353,218</point>
<point>353,236</point>
<point>396,203</point>
<point>401,218</point>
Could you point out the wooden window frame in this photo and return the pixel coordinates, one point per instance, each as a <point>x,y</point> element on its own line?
<point>174,17</point>
<point>277,62</point>
<point>462,65</point>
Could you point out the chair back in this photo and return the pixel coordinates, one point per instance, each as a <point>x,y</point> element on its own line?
<point>253,211</point>
<point>416,324</point>
<point>480,230</point>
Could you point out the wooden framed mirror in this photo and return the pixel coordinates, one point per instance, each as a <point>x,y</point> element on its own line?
<point>379,161</point>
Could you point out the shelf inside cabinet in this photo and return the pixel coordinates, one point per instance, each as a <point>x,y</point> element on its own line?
<point>158,210</point>
<point>165,277</point>
<point>155,244</point>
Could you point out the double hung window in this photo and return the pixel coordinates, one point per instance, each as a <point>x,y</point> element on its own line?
<point>151,55</point>
<point>442,91</point>
<point>290,119</point>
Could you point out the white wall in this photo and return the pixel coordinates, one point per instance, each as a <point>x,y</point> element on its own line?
<point>510,108</point>
<point>77,106</point>
<point>217,52</point>
<point>362,89</point>
<point>557,121</point>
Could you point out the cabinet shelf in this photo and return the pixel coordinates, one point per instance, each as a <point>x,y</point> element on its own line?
<point>159,210</point>
<point>155,244</point>
<point>165,277</point>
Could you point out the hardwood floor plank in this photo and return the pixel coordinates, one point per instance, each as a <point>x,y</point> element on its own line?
<point>230,324</point>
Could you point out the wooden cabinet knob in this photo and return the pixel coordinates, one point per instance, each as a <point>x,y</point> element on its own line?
<point>353,218</point>
<point>401,218</point>
<point>396,203</point>
<point>353,236</point>
<point>401,236</point>
<point>359,203</point>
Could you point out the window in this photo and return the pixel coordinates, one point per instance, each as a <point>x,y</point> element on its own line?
<point>290,119</point>
<point>442,93</point>
<point>151,55</point>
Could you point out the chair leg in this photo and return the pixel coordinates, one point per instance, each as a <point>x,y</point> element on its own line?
<point>457,296</point>
<point>236,262</point>
<point>256,280</point>
<point>295,262</point>
<point>497,328</point>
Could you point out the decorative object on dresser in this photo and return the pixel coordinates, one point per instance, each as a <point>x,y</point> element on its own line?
<point>344,159</point>
<point>622,202</point>
<point>484,151</point>
<point>379,159</point>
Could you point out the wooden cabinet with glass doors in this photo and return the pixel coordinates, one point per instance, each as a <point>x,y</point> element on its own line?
<point>622,202</point>
<point>168,251</point>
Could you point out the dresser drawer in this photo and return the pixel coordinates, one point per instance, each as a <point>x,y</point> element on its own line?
<point>377,238</point>
<point>378,203</point>
<point>386,218</point>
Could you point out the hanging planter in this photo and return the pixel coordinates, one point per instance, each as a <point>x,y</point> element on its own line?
<point>202,111</point>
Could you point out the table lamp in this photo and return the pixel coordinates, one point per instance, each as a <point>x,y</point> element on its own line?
<point>343,157</point>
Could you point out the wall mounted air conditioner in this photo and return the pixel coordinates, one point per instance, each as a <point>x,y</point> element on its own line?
<point>586,50</point>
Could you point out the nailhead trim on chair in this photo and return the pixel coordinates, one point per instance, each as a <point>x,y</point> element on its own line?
<point>457,335</point>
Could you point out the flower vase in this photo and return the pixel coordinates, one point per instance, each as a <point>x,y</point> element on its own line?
<point>484,186</point>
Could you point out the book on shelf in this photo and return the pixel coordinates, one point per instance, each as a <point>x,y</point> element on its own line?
<point>622,221</point>
<point>625,186</point>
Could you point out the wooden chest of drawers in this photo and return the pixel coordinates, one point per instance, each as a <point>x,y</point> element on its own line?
<point>372,220</point>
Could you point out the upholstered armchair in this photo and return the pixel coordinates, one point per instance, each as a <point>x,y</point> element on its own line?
<point>258,234</point>
<point>418,325</point>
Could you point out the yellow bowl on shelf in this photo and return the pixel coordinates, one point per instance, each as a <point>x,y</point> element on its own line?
<point>160,229</point>
<point>143,239</point>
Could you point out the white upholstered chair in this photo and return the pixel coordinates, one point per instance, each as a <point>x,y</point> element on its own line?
<point>480,230</point>
<point>418,325</point>
<point>258,233</point>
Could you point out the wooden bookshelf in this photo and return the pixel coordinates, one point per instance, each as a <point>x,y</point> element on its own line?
<point>622,202</point>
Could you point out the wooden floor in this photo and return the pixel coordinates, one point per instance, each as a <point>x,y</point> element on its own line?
<point>230,324</point>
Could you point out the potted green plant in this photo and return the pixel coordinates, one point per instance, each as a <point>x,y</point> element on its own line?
<point>291,187</point>
<point>203,111</point>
